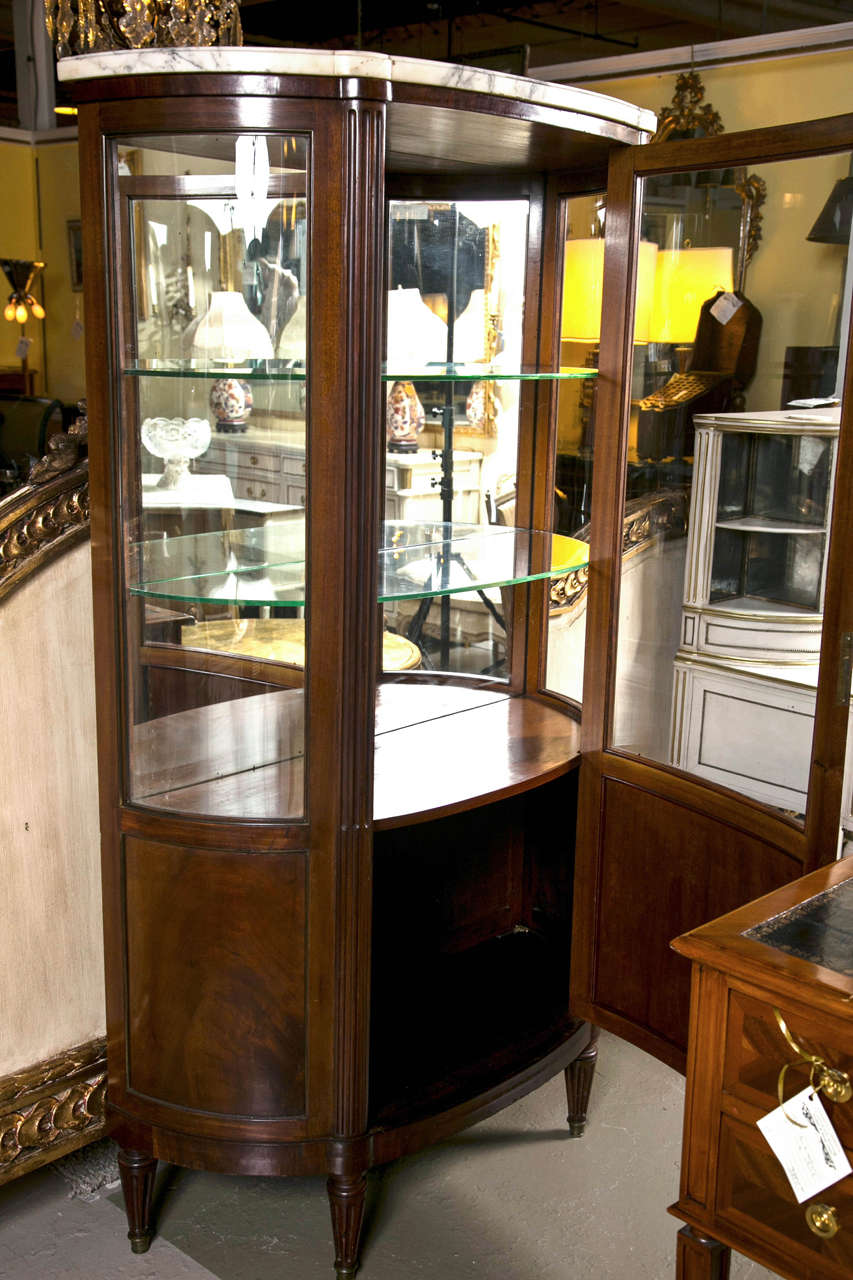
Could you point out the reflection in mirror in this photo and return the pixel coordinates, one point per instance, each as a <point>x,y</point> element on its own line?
<point>455,310</point>
<point>729,488</point>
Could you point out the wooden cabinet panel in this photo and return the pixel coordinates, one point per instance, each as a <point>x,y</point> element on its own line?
<point>216,978</point>
<point>681,875</point>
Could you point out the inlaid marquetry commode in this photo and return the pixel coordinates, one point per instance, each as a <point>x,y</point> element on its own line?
<point>772,985</point>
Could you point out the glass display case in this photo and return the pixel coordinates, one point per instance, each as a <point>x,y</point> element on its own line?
<point>322,381</point>
<point>747,664</point>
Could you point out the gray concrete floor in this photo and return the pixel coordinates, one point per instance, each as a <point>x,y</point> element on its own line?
<point>511,1199</point>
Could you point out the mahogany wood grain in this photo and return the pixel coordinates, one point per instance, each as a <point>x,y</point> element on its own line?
<point>216,979</point>
<point>359,309</point>
<point>579,1076</point>
<point>747,146</point>
<point>137,1170</point>
<point>500,748</point>
<point>450,130</point>
<point>207,759</point>
<point>94,211</point>
<point>208,751</point>
<point>680,870</point>
<point>832,704</point>
<point>285,1157</point>
<point>454,131</point>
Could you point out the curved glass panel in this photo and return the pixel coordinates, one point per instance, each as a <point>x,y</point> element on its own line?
<point>580,330</point>
<point>211,294</point>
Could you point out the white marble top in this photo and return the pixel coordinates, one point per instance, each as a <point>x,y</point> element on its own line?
<point>375,66</point>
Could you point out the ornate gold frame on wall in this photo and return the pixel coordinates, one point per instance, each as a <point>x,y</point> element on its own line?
<point>52,1108</point>
<point>88,26</point>
<point>687,114</point>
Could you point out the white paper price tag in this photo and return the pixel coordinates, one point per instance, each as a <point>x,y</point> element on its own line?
<point>23,347</point>
<point>725,307</point>
<point>77,330</point>
<point>806,1145</point>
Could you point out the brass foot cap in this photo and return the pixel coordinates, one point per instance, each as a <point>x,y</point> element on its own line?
<point>576,1128</point>
<point>140,1244</point>
<point>346,1273</point>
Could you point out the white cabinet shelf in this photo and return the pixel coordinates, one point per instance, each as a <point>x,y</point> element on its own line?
<point>745,672</point>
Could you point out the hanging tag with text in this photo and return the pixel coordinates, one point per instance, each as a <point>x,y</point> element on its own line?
<point>725,307</point>
<point>803,1140</point>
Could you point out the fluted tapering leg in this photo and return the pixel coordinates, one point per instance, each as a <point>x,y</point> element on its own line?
<point>579,1076</point>
<point>137,1170</point>
<point>346,1200</point>
<point>700,1257</point>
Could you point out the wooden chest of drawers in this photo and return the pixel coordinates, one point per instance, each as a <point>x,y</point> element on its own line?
<point>785,957</point>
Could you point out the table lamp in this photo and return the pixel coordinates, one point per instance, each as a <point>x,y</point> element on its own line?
<point>21,272</point>
<point>229,333</point>
<point>684,280</point>
<point>583,275</point>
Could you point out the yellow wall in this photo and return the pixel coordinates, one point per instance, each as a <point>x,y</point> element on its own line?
<point>18,239</point>
<point>44,178</point>
<point>795,284</point>
<point>749,95</point>
<point>60,201</point>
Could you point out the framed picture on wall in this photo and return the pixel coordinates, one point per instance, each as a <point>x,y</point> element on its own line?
<point>75,253</point>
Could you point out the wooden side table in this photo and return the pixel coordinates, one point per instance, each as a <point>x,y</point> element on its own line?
<point>786,956</point>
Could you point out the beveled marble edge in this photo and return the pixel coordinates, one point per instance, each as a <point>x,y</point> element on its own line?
<point>323,62</point>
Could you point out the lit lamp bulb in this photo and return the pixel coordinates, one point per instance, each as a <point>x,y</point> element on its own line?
<point>21,273</point>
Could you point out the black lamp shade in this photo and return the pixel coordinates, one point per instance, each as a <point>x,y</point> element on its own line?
<point>833,222</point>
<point>20,272</point>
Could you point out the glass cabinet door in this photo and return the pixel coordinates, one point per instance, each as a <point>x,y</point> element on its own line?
<point>211,296</point>
<point>734,424</point>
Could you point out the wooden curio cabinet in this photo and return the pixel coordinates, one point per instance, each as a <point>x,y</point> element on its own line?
<point>337,812</point>
<point>369,875</point>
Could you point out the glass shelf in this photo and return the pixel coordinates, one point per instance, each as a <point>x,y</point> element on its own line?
<point>487,373</point>
<point>768,524</point>
<point>266,565</point>
<point>250,371</point>
<point>290,371</point>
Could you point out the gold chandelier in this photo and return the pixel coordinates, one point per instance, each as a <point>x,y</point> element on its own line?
<point>88,26</point>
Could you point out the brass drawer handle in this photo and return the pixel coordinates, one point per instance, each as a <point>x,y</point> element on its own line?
<point>822,1219</point>
<point>832,1082</point>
